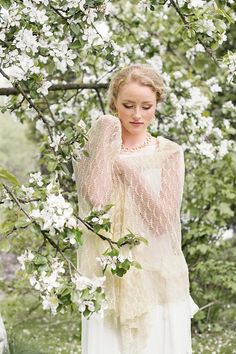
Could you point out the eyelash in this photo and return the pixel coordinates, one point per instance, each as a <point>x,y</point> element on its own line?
<point>132,107</point>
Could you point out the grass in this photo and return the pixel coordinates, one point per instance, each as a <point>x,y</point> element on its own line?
<point>31,330</point>
<point>223,342</point>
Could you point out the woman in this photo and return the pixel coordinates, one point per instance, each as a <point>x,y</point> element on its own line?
<point>149,309</point>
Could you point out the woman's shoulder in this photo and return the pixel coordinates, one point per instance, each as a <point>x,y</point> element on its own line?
<point>107,120</point>
<point>169,144</point>
<point>108,117</point>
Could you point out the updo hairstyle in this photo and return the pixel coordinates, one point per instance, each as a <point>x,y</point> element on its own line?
<point>144,74</point>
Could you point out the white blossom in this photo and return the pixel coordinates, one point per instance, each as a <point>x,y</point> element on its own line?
<point>7,202</point>
<point>90,15</point>
<point>191,53</point>
<point>196,4</point>
<point>29,191</point>
<point>15,72</point>
<point>109,8</point>
<point>61,55</point>
<point>206,26</point>
<point>156,62</point>
<point>112,261</point>
<point>47,31</point>
<point>40,126</point>
<point>36,177</point>
<point>229,105</point>
<point>44,88</point>
<point>81,124</point>
<point>55,214</point>
<point>81,303</point>
<point>44,2</point>
<point>82,282</point>
<point>198,99</point>
<point>206,149</point>
<point>46,281</point>
<point>25,257</point>
<point>107,261</point>
<point>89,35</point>
<point>10,17</point>
<point>229,233</point>
<point>23,66</point>
<point>177,74</point>
<point>214,85</point>
<point>143,5</point>
<point>35,15</point>
<point>26,41</point>
<point>55,141</point>
<point>217,133</point>
<point>224,147</point>
<point>50,302</point>
<point>229,64</point>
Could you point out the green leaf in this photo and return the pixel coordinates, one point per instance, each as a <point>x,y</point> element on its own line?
<point>38,260</point>
<point>21,223</point>
<point>5,174</point>
<point>5,3</point>
<point>76,44</point>
<point>75,29</point>
<point>224,14</point>
<point>126,264</point>
<point>136,264</point>
<point>78,236</point>
<point>143,239</point>
<point>5,245</point>
<point>7,226</point>
<point>225,209</point>
<point>65,291</point>
<point>120,272</point>
<point>215,45</point>
<point>52,165</point>
<point>203,248</point>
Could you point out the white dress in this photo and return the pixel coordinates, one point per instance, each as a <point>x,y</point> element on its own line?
<point>149,310</point>
<point>4,349</point>
<point>170,331</point>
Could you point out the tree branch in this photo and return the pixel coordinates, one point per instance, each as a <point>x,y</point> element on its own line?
<point>8,91</point>
<point>177,9</point>
<point>44,233</point>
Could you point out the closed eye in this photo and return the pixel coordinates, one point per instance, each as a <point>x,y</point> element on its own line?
<point>132,107</point>
<point>127,106</point>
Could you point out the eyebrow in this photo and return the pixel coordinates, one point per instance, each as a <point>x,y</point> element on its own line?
<point>134,102</point>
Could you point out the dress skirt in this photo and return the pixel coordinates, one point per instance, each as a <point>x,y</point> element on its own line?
<point>4,349</point>
<point>169,333</point>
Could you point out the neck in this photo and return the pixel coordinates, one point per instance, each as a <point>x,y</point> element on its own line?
<point>132,140</point>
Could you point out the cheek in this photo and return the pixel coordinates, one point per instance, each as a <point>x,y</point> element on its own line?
<point>149,113</point>
<point>123,110</point>
<point>124,114</point>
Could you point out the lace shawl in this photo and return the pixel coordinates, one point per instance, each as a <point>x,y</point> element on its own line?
<point>146,187</point>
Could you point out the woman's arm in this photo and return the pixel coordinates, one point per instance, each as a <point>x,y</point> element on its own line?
<point>159,210</point>
<point>93,173</point>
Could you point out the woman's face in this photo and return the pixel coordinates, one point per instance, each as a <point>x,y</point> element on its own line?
<point>135,103</point>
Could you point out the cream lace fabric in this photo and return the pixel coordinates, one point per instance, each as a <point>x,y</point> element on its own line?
<point>146,187</point>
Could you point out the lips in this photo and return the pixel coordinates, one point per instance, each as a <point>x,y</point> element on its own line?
<point>135,123</point>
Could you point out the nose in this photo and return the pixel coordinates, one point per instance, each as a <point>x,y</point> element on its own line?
<point>137,114</point>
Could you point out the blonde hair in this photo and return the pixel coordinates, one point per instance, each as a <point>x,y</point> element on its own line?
<point>144,74</point>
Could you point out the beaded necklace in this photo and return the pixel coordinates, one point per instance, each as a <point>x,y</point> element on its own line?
<point>146,142</point>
